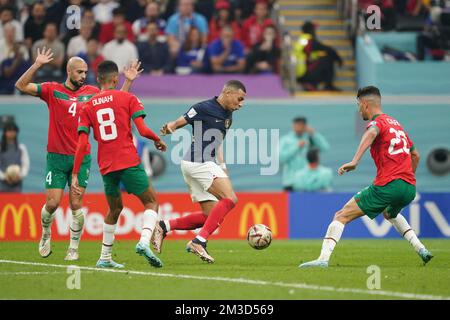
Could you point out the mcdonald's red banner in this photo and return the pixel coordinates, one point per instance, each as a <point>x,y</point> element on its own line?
<point>20,216</point>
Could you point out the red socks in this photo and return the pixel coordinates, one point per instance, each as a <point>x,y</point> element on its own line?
<point>216,217</point>
<point>190,222</point>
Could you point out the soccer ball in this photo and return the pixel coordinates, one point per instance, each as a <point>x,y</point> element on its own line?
<point>259,236</point>
<point>12,172</point>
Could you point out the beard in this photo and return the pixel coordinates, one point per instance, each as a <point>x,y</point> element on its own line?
<point>77,84</point>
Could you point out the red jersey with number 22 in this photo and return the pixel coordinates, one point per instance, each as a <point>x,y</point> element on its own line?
<point>64,107</point>
<point>391,151</point>
<point>109,113</point>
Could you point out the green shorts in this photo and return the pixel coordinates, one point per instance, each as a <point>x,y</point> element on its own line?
<point>134,179</point>
<point>59,171</point>
<point>390,198</point>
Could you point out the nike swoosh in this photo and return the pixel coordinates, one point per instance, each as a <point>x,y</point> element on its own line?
<point>218,120</point>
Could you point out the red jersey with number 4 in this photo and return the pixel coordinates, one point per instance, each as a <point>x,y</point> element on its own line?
<point>391,151</point>
<point>64,107</point>
<point>109,113</point>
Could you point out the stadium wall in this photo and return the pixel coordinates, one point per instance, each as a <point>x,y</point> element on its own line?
<point>293,216</point>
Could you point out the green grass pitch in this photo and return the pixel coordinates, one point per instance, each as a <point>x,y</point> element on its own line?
<point>240,272</point>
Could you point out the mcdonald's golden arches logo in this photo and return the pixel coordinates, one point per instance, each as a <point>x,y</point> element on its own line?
<point>258,213</point>
<point>17,216</point>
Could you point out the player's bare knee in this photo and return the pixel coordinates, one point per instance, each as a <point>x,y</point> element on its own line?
<point>76,204</point>
<point>341,217</point>
<point>51,205</point>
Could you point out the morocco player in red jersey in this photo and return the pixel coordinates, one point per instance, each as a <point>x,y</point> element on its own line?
<point>64,102</point>
<point>109,114</point>
<point>394,187</point>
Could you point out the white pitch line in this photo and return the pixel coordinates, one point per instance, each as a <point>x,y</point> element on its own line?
<point>305,286</point>
<point>30,273</point>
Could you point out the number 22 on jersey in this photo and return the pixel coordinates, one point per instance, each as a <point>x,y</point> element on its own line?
<point>105,118</point>
<point>400,137</point>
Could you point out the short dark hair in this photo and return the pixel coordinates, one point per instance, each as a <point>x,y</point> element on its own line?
<point>235,84</point>
<point>107,68</point>
<point>312,155</point>
<point>300,119</point>
<point>309,28</point>
<point>368,91</point>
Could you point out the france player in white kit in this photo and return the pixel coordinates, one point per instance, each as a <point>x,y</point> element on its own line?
<point>204,169</point>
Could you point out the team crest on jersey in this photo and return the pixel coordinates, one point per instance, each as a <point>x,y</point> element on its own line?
<point>191,113</point>
<point>227,123</point>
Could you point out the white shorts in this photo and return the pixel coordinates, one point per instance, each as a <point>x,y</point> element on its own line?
<point>199,177</point>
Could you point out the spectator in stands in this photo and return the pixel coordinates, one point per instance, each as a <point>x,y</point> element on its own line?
<point>51,70</point>
<point>413,8</point>
<point>313,177</point>
<point>227,54</point>
<point>12,154</point>
<point>222,17</point>
<point>88,18</point>
<point>55,11</point>
<point>14,60</point>
<point>7,17</point>
<point>265,56</point>
<point>190,58</point>
<point>78,45</point>
<point>434,40</point>
<point>35,24</point>
<point>93,57</point>
<point>107,29</point>
<point>152,14</point>
<point>315,61</point>
<point>253,27</point>
<point>293,149</point>
<point>103,10</point>
<point>120,50</point>
<point>154,54</point>
<point>205,8</point>
<point>181,22</point>
<point>134,9</point>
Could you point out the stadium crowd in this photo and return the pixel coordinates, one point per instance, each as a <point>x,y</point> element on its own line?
<point>171,36</point>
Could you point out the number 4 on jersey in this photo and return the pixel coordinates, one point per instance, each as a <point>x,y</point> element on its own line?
<point>73,109</point>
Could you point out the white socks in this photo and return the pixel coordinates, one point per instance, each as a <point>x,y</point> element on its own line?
<point>166,222</point>
<point>148,225</point>
<point>332,237</point>
<point>108,241</point>
<point>46,220</point>
<point>404,229</point>
<point>76,228</point>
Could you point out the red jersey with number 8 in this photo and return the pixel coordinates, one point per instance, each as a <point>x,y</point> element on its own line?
<point>391,151</point>
<point>64,107</point>
<point>109,113</point>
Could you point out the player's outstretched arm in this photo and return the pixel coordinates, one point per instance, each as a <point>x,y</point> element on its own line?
<point>146,132</point>
<point>131,72</point>
<point>366,141</point>
<point>171,126</point>
<point>415,158</point>
<point>79,154</point>
<point>24,83</point>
